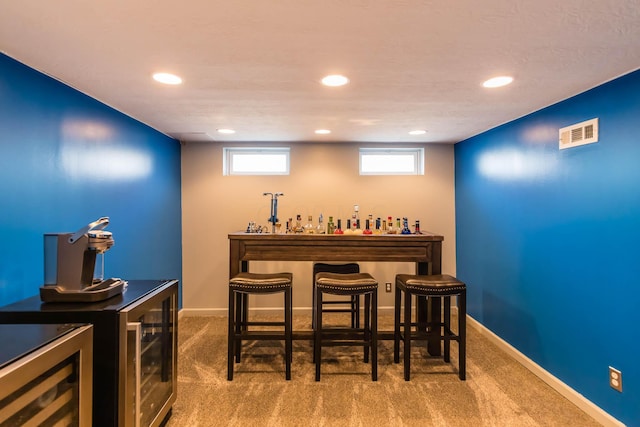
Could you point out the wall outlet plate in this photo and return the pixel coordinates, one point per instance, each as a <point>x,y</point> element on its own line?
<point>387,286</point>
<point>615,379</point>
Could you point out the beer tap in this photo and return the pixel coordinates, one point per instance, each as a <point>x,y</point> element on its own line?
<point>273,219</point>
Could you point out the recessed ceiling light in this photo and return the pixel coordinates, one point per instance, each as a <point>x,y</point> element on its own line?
<point>227,131</point>
<point>335,80</point>
<point>417,132</point>
<point>322,131</point>
<point>167,78</point>
<point>498,81</point>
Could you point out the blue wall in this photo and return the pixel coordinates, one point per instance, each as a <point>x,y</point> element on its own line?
<point>547,241</point>
<point>66,160</point>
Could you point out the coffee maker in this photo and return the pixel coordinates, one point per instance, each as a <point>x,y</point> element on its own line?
<point>74,265</point>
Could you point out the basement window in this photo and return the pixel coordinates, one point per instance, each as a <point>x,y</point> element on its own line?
<point>392,161</point>
<point>255,161</point>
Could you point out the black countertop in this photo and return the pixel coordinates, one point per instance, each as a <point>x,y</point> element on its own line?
<point>132,292</point>
<point>136,289</point>
<point>20,340</point>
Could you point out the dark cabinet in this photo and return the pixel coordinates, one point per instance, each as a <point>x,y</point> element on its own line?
<point>134,349</point>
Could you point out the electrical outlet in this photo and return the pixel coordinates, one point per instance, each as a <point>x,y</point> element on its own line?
<point>388,286</point>
<point>615,379</point>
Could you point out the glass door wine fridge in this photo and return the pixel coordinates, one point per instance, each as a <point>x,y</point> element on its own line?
<point>134,349</point>
<point>45,375</point>
<point>150,356</point>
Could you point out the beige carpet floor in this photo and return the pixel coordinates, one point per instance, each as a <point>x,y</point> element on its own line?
<point>498,390</point>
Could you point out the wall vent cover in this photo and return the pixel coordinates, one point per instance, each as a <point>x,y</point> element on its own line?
<point>578,134</point>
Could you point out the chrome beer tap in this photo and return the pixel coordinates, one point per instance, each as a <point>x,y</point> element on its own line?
<point>273,219</point>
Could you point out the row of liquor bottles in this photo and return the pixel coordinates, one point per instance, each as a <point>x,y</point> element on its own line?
<point>353,226</point>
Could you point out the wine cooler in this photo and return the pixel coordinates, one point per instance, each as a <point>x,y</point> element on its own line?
<point>134,349</point>
<point>150,356</point>
<point>45,375</point>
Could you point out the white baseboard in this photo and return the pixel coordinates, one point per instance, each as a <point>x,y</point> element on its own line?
<point>573,396</point>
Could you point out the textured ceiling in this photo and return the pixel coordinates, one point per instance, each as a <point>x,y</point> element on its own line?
<point>255,65</point>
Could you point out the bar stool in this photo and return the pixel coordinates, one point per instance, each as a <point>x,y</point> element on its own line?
<point>240,287</point>
<point>352,302</point>
<point>367,336</point>
<point>435,286</point>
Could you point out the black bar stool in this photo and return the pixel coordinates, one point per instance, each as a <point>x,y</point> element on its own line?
<point>351,304</point>
<point>367,336</point>
<point>240,287</point>
<point>436,286</point>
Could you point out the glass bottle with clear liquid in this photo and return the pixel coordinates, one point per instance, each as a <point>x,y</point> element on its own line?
<point>391,229</point>
<point>309,228</point>
<point>320,227</point>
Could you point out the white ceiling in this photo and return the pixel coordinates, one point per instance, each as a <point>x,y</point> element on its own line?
<point>255,65</point>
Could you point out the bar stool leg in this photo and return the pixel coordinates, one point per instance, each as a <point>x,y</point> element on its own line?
<point>374,336</point>
<point>288,346</point>
<point>462,335</point>
<point>447,329</point>
<point>317,334</point>
<point>396,325</point>
<point>313,306</point>
<point>367,326</point>
<point>231,336</point>
<point>355,316</point>
<point>240,324</point>
<point>407,335</point>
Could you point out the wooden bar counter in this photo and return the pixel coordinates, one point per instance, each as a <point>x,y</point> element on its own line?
<point>425,250</point>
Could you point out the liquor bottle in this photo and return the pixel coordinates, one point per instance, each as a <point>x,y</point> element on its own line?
<point>348,229</point>
<point>417,227</point>
<point>331,227</point>
<point>367,229</point>
<point>298,227</point>
<point>405,226</point>
<point>384,227</point>
<point>377,229</point>
<point>309,228</point>
<point>339,228</point>
<point>391,229</point>
<point>398,226</point>
<point>357,230</point>
<point>289,226</point>
<point>320,227</point>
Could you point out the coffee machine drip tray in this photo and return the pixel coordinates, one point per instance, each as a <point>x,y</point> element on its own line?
<point>98,292</point>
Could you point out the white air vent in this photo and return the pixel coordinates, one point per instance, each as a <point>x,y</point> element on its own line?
<point>579,134</point>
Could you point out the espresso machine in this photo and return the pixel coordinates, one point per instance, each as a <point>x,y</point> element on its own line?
<point>74,265</point>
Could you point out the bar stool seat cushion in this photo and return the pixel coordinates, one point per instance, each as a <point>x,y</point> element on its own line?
<point>266,282</point>
<point>346,283</point>
<point>433,284</point>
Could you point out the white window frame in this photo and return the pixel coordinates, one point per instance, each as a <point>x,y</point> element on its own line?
<point>230,152</point>
<point>388,153</point>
